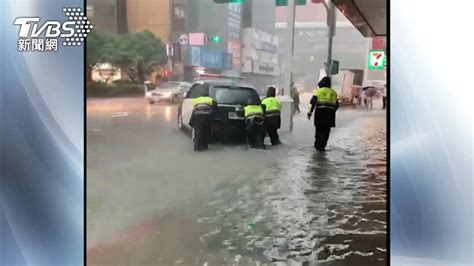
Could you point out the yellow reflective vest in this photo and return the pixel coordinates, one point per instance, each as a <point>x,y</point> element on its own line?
<point>327,98</point>
<point>272,105</point>
<point>202,100</point>
<point>250,110</point>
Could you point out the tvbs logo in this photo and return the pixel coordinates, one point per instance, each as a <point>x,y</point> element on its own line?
<point>35,36</point>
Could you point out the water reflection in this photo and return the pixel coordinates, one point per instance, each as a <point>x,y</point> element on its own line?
<point>148,112</point>
<point>168,117</point>
<point>314,207</point>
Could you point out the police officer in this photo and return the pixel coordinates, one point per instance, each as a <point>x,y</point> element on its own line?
<point>325,102</point>
<point>272,107</point>
<point>201,120</point>
<point>254,122</point>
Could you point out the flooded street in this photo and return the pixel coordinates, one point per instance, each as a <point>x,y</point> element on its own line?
<point>152,201</point>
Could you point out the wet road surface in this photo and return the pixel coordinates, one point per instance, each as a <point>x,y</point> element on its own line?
<point>152,201</point>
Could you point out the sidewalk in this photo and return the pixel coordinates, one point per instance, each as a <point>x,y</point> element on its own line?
<point>305,98</point>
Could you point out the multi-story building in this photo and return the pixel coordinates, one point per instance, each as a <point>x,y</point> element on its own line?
<point>260,58</point>
<point>311,43</point>
<point>260,63</point>
<point>209,19</point>
<point>151,15</point>
<point>165,18</point>
<point>258,14</point>
<point>108,15</point>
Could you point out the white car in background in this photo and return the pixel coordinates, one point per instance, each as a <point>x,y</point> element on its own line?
<point>171,91</point>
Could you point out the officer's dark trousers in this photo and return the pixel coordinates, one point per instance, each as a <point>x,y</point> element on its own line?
<point>255,134</point>
<point>272,124</point>
<point>321,138</point>
<point>202,132</point>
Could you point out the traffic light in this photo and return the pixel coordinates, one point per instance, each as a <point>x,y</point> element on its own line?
<point>216,39</point>
<point>229,1</point>
<point>285,2</point>
<point>335,67</point>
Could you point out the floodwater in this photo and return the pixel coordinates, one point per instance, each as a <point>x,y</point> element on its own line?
<point>161,204</point>
<point>328,208</point>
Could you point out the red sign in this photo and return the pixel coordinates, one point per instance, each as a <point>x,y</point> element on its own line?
<point>378,43</point>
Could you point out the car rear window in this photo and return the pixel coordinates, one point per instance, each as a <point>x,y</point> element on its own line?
<point>168,85</point>
<point>234,95</point>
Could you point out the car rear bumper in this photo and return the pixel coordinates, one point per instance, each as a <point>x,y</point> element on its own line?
<point>229,132</point>
<point>153,98</point>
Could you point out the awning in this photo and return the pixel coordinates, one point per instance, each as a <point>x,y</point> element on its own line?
<point>368,16</point>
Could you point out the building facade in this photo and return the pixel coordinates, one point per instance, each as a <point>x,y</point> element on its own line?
<point>108,15</point>
<point>311,43</point>
<point>221,55</point>
<point>260,63</point>
<point>151,15</point>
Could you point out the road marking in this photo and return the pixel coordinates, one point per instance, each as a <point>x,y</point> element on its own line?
<point>119,114</point>
<point>94,130</point>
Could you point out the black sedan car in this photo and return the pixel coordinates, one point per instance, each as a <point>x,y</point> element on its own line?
<point>231,97</point>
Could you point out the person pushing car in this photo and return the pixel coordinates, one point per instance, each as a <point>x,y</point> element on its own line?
<point>272,107</point>
<point>201,120</point>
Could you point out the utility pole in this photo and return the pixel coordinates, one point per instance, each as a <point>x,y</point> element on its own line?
<point>290,24</point>
<point>331,22</point>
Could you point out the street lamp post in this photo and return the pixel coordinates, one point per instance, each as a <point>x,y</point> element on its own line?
<point>331,22</point>
<point>290,24</point>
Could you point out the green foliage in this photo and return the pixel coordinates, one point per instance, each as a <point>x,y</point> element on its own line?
<point>99,89</point>
<point>122,81</point>
<point>138,54</point>
<point>100,47</point>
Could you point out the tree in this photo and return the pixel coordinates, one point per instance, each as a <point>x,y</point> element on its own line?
<point>138,54</point>
<point>99,47</point>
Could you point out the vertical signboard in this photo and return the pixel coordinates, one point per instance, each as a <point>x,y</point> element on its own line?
<point>178,25</point>
<point>376,59</point>
<point>194,56</point>
<point>228,61</point>
<point>233,37</point>
<point>378,43</point>
<point>196,38</point>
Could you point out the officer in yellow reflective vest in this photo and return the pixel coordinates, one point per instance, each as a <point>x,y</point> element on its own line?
<point>201,121</point>
<point>272,107</point>
<point>326,104</point>
<point>254,122</point>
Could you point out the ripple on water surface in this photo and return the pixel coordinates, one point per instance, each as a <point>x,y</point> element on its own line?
<point>325,207</point>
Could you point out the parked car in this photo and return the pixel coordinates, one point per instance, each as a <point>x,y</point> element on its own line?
<point>171,91</point>
<point>231,98</point>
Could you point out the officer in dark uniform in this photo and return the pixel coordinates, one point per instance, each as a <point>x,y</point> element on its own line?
<point>201,120</point>
<point>254,122</point>
<point>325,102</point>
<point>272,107</point>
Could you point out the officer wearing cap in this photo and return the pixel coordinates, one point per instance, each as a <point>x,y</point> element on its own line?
<point>272,108</point>
<point>324,103</point>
